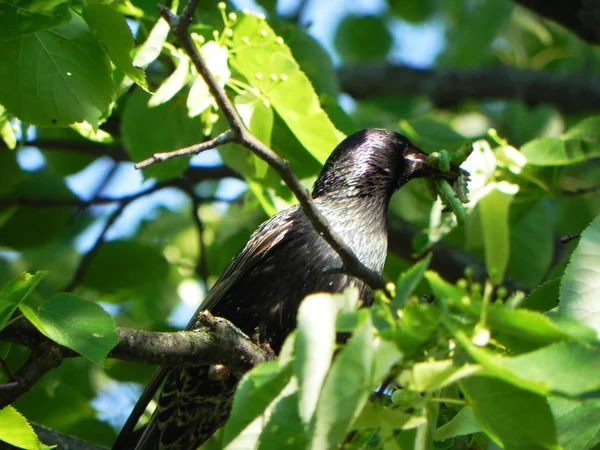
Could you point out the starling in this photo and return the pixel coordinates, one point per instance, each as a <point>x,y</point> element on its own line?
<point>284,261</point>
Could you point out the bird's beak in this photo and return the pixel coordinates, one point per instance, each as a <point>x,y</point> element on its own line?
<point>420,167</point>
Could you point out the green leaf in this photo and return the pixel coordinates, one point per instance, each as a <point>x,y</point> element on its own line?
<point>531,246</point>
<point>581,281</point>
<point>494,213</point>
<point>153,45</point>
<point>6,130</point>
<point>64,76</point>
<point>216,56</point>
<point>267,63</point>
<point>315,343</point>
<point>20,17</point>
<point>527,325</point>
<point>413,11</point>
<point>111,268</point>
<point>431,133</point>
<point>511,417</point>
<point>314,60</point>
<point>461,424</point>
<point>432,375</point>
<point>409,281</point>
<point>15,292</point>
<point>363,38</point>
<point>473,32</point>
<point>174,82</point>
<point>346,388</point>
<point>15,430</point>
<point>578,144</point>
<point>166,127</point>
<point>257,115</point>
<point>542,371</point>
<point>257,389</point>
<point>284,428</point>
<point>375,416</point>
<point>577,423</point>
<point>442,289</point>
<point>112,31</point>
<point>544,297</point>
<point>22,229</point>
<point>76,323</point>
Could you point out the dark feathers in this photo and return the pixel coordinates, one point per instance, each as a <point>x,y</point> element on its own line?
<point>284,261</point>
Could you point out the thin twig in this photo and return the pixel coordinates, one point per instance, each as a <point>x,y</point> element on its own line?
<point>238,133</point>
<point>112,218</point>
<point>223,138</point>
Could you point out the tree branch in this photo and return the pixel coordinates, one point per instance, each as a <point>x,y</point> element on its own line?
<point>217,341</point>
<point>447,88</point>
<point>238,133</point>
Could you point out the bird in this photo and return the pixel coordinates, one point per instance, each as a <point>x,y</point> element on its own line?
<point>283,261</point>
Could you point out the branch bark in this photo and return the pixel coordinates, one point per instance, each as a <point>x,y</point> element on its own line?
<point>447,88</point>
<point>216,342</point>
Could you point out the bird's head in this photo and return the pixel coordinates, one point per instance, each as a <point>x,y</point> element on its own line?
<point>371,162</point>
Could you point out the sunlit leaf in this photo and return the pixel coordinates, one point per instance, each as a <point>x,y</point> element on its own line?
<point>78,324</point>
<point>112,31</point>
<point>581,282</point>
<point>64,76</point>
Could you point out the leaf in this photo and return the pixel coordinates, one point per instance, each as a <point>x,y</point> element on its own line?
<point>363,38</point>
<point>174,82</point>
<point>64,76</point>
<point>473,33</point>
<point>15,292</point>
<point>432,375</point>
<point>257,115</point>
<point>257,389</point>
<point>413,11</point>
<point>20,18</point>
<point>112,31</point>
<point>267,64</point>
<point>542,371</point>
<point>152,46</point>
<point>284,427</point>
<point>375,416</point>
<point>22,229</point>
<point>494,213</point>
<point>544,297</point>
<point>580,143</point>
<point>432,133</point>
<point>315,343</point>
<point>531,246</point>
<point>581,281</point>
<point>346,388</point>
<point>216,57</point>
<point>409,281</point>
<point>461,424</point>
<point>511,417</point>
<point>76,323</point>
<point>165,128</point>
<point>111,268</point>
<point>577,423</point>
<point>15,430</point>
<point>524,324</point>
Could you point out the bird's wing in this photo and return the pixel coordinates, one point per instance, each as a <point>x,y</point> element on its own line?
<point>264,239</point>
<point>267,236</point>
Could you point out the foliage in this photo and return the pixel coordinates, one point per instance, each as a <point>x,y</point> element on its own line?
<point>509,358</point>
